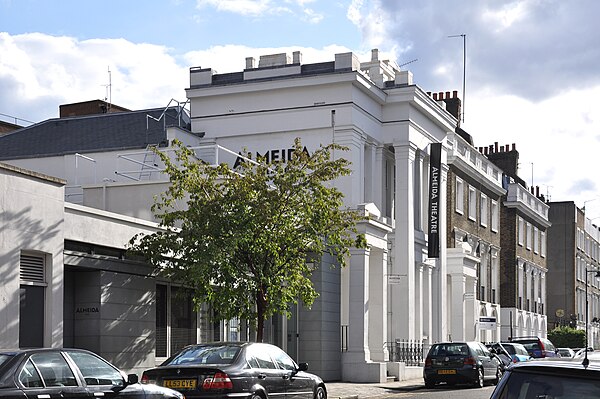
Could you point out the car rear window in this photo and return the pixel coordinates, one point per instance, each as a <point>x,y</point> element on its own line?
<point>530,344</point>
<point>522,385</point>
<point>449,349</point>
<point>205,354</point>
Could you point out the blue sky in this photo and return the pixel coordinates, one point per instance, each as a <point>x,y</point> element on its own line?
<point>532,65</point>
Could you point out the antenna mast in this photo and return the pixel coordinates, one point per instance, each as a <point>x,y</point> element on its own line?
<point>464,37</point>
<point>108,92</point>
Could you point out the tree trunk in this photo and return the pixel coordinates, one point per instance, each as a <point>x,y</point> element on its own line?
<point>260,315</point>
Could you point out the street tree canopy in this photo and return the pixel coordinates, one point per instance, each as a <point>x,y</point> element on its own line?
<point>246,241</point>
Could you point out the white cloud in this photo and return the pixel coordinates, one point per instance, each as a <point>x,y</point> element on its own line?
<point>557,135</point>
<point>37,68</point>
<point>373,22</point>
<point>244,7</point>
<point>507,15</point>
<point>311,16</point>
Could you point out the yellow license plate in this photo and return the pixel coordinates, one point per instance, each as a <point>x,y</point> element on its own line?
<point>180,384</point>
<point>446,371</point>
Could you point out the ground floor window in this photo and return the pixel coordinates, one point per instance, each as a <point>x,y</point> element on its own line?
<point>178,323</point>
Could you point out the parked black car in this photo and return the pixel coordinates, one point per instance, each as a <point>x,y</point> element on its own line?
<point>69,373</point>
<point>548,379</point>
<point>537,347</point>
<point>461,362</point>
<point>236,370</point>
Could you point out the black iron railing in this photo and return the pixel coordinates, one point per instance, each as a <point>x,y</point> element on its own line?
<point>410,352</point>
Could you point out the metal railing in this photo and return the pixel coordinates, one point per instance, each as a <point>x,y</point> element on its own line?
<point>410,352</point>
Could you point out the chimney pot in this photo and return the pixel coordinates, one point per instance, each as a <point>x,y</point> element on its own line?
<point>429,93</point>
<point>296,57</point>
<point>375,54</point>
<point>496,146</point>
<point>537,191</point>
<point>441,95</point>
<point>448,95</point>
<point>455,94</point>
<point>514,146</point>
<point>435,96</point>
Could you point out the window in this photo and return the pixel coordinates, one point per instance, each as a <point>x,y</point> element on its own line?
<point>261,357</point>
<point>483,210</point>
<point>460,196</point>
<point>536,240</point>
<point>282,359</point>
<point>54,369</point>
<point>529,240</point>
<point>96,371</point>
<point>176,320</point>
<point>29,377</point>
<point>520,228</point>
<point>543,243</point>
<point>472,204</point>
<point>495,216</point>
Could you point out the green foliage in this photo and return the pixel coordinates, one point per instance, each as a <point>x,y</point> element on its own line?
<point>243,239</point>
<point>567,337</point>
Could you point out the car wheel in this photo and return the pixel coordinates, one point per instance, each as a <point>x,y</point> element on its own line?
<point>429,383</point>
<point>320,393</point>
<point>478,383</point>
<point>256,396</point>
<point>499,373</point>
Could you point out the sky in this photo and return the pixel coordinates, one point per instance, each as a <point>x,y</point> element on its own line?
<point>532,66</point>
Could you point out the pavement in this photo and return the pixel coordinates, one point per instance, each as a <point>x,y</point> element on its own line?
<point>351,390</point>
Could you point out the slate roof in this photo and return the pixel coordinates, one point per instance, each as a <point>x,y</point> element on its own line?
<point>90,133</point>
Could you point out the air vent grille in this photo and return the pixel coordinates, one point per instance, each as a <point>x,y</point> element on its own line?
<point>32,268</point>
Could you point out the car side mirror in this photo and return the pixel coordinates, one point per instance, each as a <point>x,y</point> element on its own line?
<point>132,379</point>
<point>303,367</point>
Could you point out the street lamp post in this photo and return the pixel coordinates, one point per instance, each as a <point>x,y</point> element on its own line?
<point>586,361</point>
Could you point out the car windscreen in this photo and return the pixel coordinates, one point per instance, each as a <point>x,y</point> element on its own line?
<point>449,349</point>
<point>522,385</point>
<point>205,354</point>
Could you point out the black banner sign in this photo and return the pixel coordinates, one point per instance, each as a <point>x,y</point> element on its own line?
<point>435,180</point>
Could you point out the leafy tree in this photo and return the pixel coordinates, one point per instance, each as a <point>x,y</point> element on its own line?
<point>243,239</point>
<point>567,337</point>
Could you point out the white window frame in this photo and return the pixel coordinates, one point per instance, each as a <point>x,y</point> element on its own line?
<point>528,238</point>
<point>536,241</point>
<point>520,230</point>
<point>495,216</point>
<point>472,203</point>
<point>483,210</point>
<point>543,242</point>
<point>460,196</point>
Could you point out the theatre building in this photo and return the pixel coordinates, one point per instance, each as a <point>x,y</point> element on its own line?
<point>395,290</point>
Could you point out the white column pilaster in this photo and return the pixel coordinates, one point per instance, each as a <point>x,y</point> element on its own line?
<point>458,307</point>
<point>378,306</point>
<point>403,294</point>
<point>358,317</point>
<point>379,176</point>
<point>353,185</point>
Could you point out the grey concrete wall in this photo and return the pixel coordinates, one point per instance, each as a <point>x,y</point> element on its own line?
<point>319,327</point>
<point>127,320</point>
<point>31,219</point>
